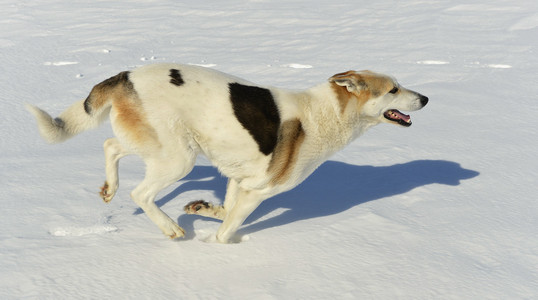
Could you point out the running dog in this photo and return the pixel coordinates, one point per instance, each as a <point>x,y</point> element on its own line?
<point>265,140</point>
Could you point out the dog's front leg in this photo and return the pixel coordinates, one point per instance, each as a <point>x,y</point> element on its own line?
<point>246,202</point>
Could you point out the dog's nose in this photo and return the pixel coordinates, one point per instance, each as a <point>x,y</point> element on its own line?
<point>423,100</point>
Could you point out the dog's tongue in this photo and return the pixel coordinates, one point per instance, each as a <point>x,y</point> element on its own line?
<point>401,115</point>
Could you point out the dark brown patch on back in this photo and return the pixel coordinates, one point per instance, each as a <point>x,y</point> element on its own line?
<point>119,92</point>
<point>256,110</point>
<point>102,92</point>
<point>176,78</point>
<point>290,137</point>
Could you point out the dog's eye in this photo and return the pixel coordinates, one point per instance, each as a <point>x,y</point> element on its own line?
<point>394,90</point>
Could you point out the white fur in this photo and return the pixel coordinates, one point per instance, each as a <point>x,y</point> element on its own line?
<point>197,117</point>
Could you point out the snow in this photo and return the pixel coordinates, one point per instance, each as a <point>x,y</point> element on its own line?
<point>445,209</point>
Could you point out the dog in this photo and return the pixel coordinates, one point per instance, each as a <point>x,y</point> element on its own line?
<point>265,140</point>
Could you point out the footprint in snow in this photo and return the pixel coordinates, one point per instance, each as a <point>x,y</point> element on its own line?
<point>60,63</point>
<point>492,66</point>
<point>441,62</point>
<point>432,62</point>
<point>81,231</point>
<point>210,236</point>
<point>143,58</point>
<point>203,65</point>
<point>297,66</point>
<point>498,66</point>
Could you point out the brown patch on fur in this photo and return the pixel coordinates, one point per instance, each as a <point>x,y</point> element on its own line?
<point>290,137</point>
<point>104,192</point>
<point>362,97</point>
<point>131,118</point>
<point>101,93</point>
<point>368,84</point>
<point>376,84</point>
<point>119,92</point>
<point>342,95</point>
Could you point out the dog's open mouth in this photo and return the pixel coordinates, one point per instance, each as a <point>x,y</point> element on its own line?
<point>396,116</point>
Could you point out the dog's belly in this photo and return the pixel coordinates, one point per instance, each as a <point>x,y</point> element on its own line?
<point>223,141</point>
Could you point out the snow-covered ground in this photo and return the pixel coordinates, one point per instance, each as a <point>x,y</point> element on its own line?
<point>445,209</point>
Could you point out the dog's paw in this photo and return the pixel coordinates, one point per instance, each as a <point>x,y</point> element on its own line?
<point>213,238</point>
<point>194,207</point>
<point>174,231</point>
<point>107,192</point>
<point>234,239</point>
<point>205,209</point>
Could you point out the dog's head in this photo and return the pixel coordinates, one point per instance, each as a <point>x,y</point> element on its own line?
<point>378,97</point>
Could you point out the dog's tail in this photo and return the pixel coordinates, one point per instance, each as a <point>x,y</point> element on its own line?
<point>84,114</point>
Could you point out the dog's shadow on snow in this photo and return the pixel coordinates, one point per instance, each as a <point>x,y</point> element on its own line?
<point>333,188</point>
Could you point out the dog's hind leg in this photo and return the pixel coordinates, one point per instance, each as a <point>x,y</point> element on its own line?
<point>209,210</point>
<point>113,152</point>
<point>161,173</point>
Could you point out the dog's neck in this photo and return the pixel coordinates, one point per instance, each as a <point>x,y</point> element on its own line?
<point>328,120</point>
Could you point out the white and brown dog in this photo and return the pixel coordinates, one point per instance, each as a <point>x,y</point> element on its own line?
<point>265,140</point>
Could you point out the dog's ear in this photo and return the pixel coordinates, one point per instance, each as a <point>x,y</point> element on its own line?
<point>350,79</point>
